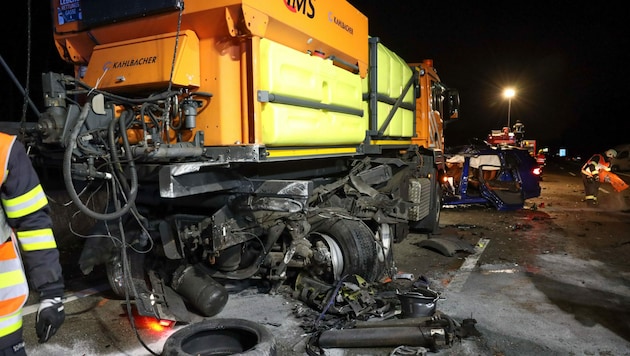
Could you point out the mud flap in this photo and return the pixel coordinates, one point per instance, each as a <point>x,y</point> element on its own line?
<point>172,307</point>
<point>447,246</point>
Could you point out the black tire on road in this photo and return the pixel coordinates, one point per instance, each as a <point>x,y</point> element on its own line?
<point>352,245</point>
<point>218,337</point>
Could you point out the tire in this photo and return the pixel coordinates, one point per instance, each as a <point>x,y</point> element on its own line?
<point>352,247</point>
<point>431,223</point>
<point>214,337</point>
<point>118,282</point>
<point>115,276</point>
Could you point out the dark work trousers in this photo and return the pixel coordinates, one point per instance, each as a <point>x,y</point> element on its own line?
<point>13,344</point>
<point>591,187</point>
<point>17,350</point>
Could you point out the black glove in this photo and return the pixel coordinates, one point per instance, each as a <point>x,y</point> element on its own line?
<point>50,316</point>
<point>596,177</point>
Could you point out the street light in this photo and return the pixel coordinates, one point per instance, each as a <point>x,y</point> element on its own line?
<point>509,94</point>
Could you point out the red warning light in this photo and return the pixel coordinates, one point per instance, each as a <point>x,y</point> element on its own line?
<point>151,323</point>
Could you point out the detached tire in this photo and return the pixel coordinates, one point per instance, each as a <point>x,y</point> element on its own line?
<point>220,337</point>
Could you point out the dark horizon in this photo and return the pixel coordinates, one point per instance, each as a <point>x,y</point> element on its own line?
<point>566,62</point>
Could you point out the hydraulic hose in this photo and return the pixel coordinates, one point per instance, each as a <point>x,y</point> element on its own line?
<point>67,174</point>
<point>118,170</point>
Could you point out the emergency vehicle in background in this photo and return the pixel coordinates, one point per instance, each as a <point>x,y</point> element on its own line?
<point>239,140</point>
<point>505,137</point>
<point>503,171</point>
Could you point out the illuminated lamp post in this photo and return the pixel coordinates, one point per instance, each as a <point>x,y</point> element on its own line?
<point>509,94</point>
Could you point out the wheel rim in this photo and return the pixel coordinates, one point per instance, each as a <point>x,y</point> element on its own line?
<point>384,238</point>
<point>115,275</point>
<point>336,257</point>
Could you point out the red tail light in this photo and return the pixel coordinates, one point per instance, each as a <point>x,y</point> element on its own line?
<point>537,171</point>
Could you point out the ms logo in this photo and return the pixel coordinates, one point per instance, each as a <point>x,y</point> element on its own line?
<point>304,7</point>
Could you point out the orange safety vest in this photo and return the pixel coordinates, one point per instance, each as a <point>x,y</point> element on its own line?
<point>600,164</point>
<point>13,285</point>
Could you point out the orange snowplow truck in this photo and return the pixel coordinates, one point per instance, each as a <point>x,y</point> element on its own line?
<point>273,141</point>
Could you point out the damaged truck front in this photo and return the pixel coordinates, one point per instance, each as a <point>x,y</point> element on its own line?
<point>239,141</point>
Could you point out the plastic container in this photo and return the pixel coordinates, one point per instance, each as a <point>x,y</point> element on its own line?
<point>418,302</point>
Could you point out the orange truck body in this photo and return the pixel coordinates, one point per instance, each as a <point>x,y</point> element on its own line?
<point>315,51</point>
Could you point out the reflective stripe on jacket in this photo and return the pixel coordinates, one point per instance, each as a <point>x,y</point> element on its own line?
<point>27,212</point>
<point>13,285</point>
<point>13,288</point>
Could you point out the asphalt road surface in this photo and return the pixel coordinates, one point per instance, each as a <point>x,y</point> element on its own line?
<point>550,279</point>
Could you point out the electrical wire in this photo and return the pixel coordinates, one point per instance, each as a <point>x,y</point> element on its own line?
<point>179,26</point>
<point>28,70</point>
<point>128,280</point>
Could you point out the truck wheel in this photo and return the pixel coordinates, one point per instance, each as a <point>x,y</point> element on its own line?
<point>385,240</point>
<point>118,282</point>
<point>221,337</point>
<point>431,223</point>
<point>115,276</point>
<point>352,248</point>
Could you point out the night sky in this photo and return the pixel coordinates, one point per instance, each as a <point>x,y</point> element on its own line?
<point>567,62</point>
<point>15,52</point>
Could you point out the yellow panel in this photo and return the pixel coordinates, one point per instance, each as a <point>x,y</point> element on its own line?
<point>408,118</point>
<point>393,74</point>
<point>390,142</point>
<point>323,151</point>
<point>288,72</point>
<point>401,124</point>
<point>145,63</point>
<point>285,125</point>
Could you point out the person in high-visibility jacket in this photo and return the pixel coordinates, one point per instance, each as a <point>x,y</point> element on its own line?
<point>590,174</point>
<point>26,239</point>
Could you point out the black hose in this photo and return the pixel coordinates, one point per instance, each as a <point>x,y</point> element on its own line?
<point>116,166</point>
<point>67,173</point>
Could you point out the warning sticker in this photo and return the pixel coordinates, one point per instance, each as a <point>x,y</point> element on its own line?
<point>68,11</point>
